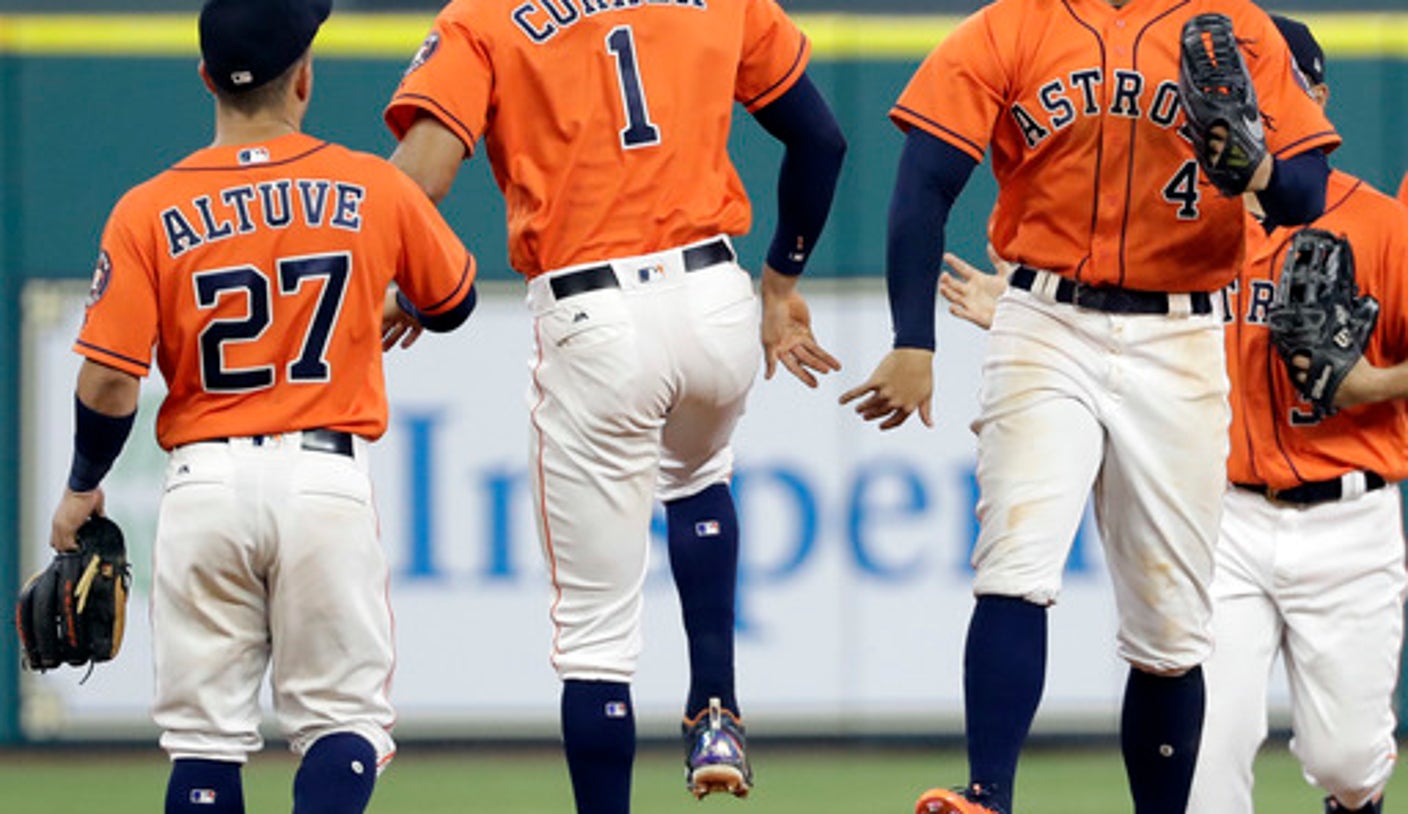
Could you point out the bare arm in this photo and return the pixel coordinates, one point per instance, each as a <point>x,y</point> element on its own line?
<point>431,155</point>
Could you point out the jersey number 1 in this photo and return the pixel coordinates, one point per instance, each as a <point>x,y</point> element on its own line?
<point>638,132</point>
<point>252,284</point>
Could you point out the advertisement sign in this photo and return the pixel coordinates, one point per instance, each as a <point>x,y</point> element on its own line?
<point>854,590</point>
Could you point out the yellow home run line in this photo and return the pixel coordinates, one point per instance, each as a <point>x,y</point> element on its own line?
<point>395,36</point>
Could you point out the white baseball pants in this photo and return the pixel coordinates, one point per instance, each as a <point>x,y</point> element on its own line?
<point>1323,588</point>
<point>268,557</point>
<point>1133,407</point>
<point>636,389</point>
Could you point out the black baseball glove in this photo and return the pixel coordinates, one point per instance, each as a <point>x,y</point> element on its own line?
<point>1216,91</point>
<point>73,612</point>
<point>1317,316</point>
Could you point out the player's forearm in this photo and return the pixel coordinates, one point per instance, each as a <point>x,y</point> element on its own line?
<point>431,155</point>
<point>105,407</point>
<point>931,175</point>
<point>806,183</point>
<point>1295,193</point>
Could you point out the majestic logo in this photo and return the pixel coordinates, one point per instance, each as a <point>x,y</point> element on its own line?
<point>426,51</point>
<point>102,275</point>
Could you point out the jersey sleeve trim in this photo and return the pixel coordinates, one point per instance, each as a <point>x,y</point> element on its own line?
<point>400,123</point>
<point>1325,138</point>
<point>111,358</point>
<point>904,118</point>
<point>466,277</point>
<point>785,82</point>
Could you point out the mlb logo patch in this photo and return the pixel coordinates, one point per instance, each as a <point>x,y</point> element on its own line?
<point>615,709</point>
<point>253,155</point>
<point>706,528</point>
<point>203,797</point>
<point>651,272</point>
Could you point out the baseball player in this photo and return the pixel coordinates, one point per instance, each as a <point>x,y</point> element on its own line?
<point>1312,566</point>
<point>606,125</point>
<point>1105,366</point>
<point>1310,557</point>
<point>257,271</point>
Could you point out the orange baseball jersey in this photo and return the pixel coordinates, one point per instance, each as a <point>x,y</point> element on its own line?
<point>1078,102</point>
<point>606,121</point>
<point>1403,189</point>
<point>1275,440</point>
<point>258,273</point>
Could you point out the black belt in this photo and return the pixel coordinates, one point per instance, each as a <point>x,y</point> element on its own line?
<point>314,440</point>
<point>1110,298</point>
<point>1320,491</point>
<point>595,277</point>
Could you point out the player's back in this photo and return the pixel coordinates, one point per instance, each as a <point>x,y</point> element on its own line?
<point>607,124</point>
<point>266,267</point>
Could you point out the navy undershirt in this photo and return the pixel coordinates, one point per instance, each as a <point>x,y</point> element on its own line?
<point>806,183</point>
<point>931,174</point>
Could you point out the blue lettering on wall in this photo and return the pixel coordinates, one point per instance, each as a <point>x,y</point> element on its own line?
<point>866,513</point>
<point>420,431</point>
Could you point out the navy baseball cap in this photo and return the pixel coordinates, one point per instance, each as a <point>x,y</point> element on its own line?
<point>246,43</point>
<point>1306,51</point>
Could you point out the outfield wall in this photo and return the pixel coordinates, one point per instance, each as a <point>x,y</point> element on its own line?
<point>855,591</point>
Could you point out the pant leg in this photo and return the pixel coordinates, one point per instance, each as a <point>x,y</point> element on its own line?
<point>598,403</point>
<point>1247,634</point>
<point>329,610</point>
<point>1343,605</point>
<point>209,609</point>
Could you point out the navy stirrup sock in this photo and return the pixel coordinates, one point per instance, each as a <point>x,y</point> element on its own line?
<point>703,535</point>
<point>1160,728</point>
<point>204,787</point>
<point>1004,673</point>
<point>599,739</point>
<point>336,776</point>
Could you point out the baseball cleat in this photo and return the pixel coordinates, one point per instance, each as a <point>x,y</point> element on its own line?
<point>716,758</point>
<point>952,801</point>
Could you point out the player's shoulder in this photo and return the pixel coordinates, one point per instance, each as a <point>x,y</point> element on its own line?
<point>1357,192</point>
<point>1244,14</point>
<point>365,168</point>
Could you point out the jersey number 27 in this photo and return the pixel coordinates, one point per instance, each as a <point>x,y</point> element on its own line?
<point>252,284</point>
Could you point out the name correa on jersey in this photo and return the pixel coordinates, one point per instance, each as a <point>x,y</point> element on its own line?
<point>1062,102</point>
<point>319,202</point>
<point>542,20</point>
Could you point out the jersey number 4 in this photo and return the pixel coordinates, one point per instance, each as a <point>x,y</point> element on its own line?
<point>252,284</point>
<point>639,131</point>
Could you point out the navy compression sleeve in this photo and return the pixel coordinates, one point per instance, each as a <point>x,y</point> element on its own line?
<point>97,440</point>
<point>931,174</point>
<point>806,183</point>
<point>441,323</point>
<point>1296,193</point>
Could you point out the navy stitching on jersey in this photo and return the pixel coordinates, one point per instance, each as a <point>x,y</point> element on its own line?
<point>937,126</point>
<point>791,71</point>
<point>459,286</point>
<point>1289,147</point>
<point>453,119</point>
<point>1099,142</point>
<point>1133,146</point>
<point>280,163</point>
<point>145,366</point>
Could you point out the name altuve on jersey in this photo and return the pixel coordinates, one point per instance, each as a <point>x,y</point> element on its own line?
<point>246,208</point>
<point>542,20</point>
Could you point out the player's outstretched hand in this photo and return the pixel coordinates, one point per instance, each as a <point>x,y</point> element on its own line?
<point>902,383</point>
<point>787,331</point>
<point>397,325</point>
<point>74,508</point>
<point>972,294</point>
